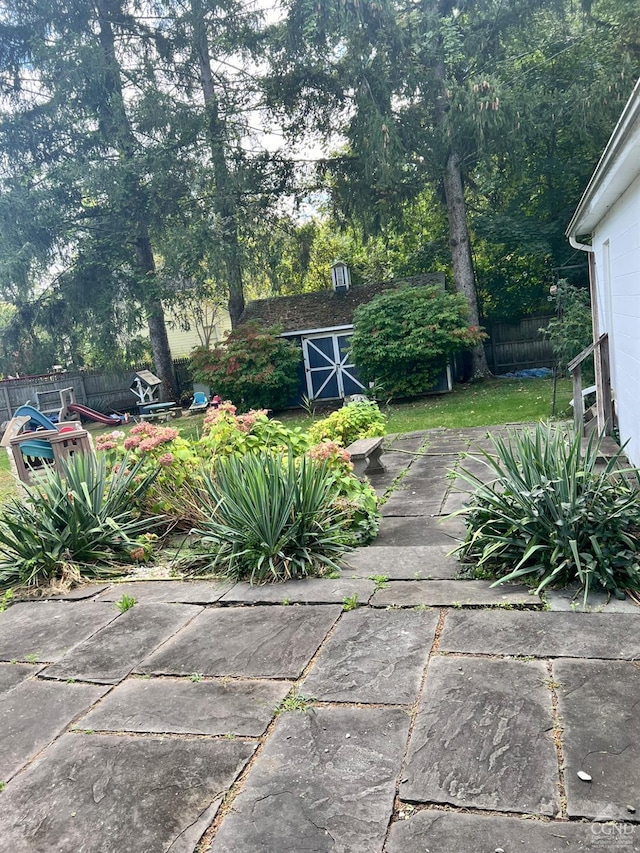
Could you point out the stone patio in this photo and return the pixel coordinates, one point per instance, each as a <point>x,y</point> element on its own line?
<point>439,715</point>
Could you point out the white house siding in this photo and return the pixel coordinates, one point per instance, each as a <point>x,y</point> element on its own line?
<point>616,241</point>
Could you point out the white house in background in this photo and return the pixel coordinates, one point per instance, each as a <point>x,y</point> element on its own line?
<point>606,224</point>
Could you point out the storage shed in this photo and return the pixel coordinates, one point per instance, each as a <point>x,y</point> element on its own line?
<point>321,323</point>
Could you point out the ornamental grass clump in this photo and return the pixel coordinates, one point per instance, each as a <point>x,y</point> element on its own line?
<point>270,518</point>
<point>554,515</point>
<point>75,524</point>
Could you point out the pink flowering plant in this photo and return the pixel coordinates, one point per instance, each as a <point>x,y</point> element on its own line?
<point>227,433</point>
<point>152,447</point>
<point>355,499</point>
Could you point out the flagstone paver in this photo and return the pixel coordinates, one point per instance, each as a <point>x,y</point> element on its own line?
<point>181,592</point>
<point>35,712</point>
<point>489,734</point>
<point>12,674</point>
<point>254,642</point>
<point>325,781</point>
<point>420,562</point>
<point>581,635</point>
<point>112,653</point>
<point>455,593</point>
<point>373,656</point>
<point>108,794</point>
<point>446,832</point>
<point>482,738</point>
<point>188,706</point>
<point>47,630</point>
<point>598,704</point>
<point>305,591</point>
<point>419,531</point>
<point>597,602</point>
<point>78,593</point>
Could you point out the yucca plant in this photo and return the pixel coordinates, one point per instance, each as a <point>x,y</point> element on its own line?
<point>552,514</point>
<point>270,518</point>
<point>72,524</point>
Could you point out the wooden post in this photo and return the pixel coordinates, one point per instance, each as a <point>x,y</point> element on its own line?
<point>605,395</point>
<point>578,402</point>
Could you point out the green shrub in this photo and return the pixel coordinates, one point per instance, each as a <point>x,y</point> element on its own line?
<point>571,331</point>
<point>73,525</point>
<point>355,420</point>
<point>402,339</point>
<point>271,518</point>
<point>224,432</point>
<point>254,368</point>
<point>551,516</point>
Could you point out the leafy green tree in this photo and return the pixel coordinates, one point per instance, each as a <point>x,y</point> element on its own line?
<point>77,155</point>
<point>402,338</point>
<point>572,330</point>
<point>500,107</point>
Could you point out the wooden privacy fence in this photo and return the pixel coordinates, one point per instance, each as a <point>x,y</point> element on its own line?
<point>518,346</point>
<point>105,390</point>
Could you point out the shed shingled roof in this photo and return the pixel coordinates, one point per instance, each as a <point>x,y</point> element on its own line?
<point>325,309</point>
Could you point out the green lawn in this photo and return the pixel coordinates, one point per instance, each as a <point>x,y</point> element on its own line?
<point>496,401</point>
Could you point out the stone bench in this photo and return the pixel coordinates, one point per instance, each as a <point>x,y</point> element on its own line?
<point>365,454</point>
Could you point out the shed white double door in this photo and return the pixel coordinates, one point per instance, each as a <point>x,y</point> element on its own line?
<point>329,370</point>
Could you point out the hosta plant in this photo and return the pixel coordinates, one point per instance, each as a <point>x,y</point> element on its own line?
<point>78,523</point>
<point>551,514</point>
<point>270,518</point>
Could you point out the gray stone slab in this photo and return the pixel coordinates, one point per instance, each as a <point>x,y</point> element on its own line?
<point>111,654</point>
<point>397,562</point>
<point>597,602</point>
<point>181,592</point>
<point>12,674</point>
<point>430,470</point>
<point>373,656</point>
<point>482,738</point>
<point>450,832</point>
<point>598,702</point>
<point>33,714</point>
<point>406,504</point>
<point>305,591</point>
<point>419,531</point>
<point>325,781</point>
<point>78,593</point>
<point>456,499</point>
<point>405,445</point>
<point>45,631</point>
<point>543,634</point>
<point>184,706</point>
<point>452,593</point>
<point>254,642</point>
<point>108,794</point>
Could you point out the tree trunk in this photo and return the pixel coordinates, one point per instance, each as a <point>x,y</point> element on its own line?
<point>463,274</point>
<point>122,138</point>
<point>160,350</point>
<point>225,202</point>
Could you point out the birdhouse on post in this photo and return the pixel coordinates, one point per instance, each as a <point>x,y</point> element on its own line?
<point>340,277</point>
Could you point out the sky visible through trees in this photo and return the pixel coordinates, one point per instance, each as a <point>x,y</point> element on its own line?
<point>175,152</point>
